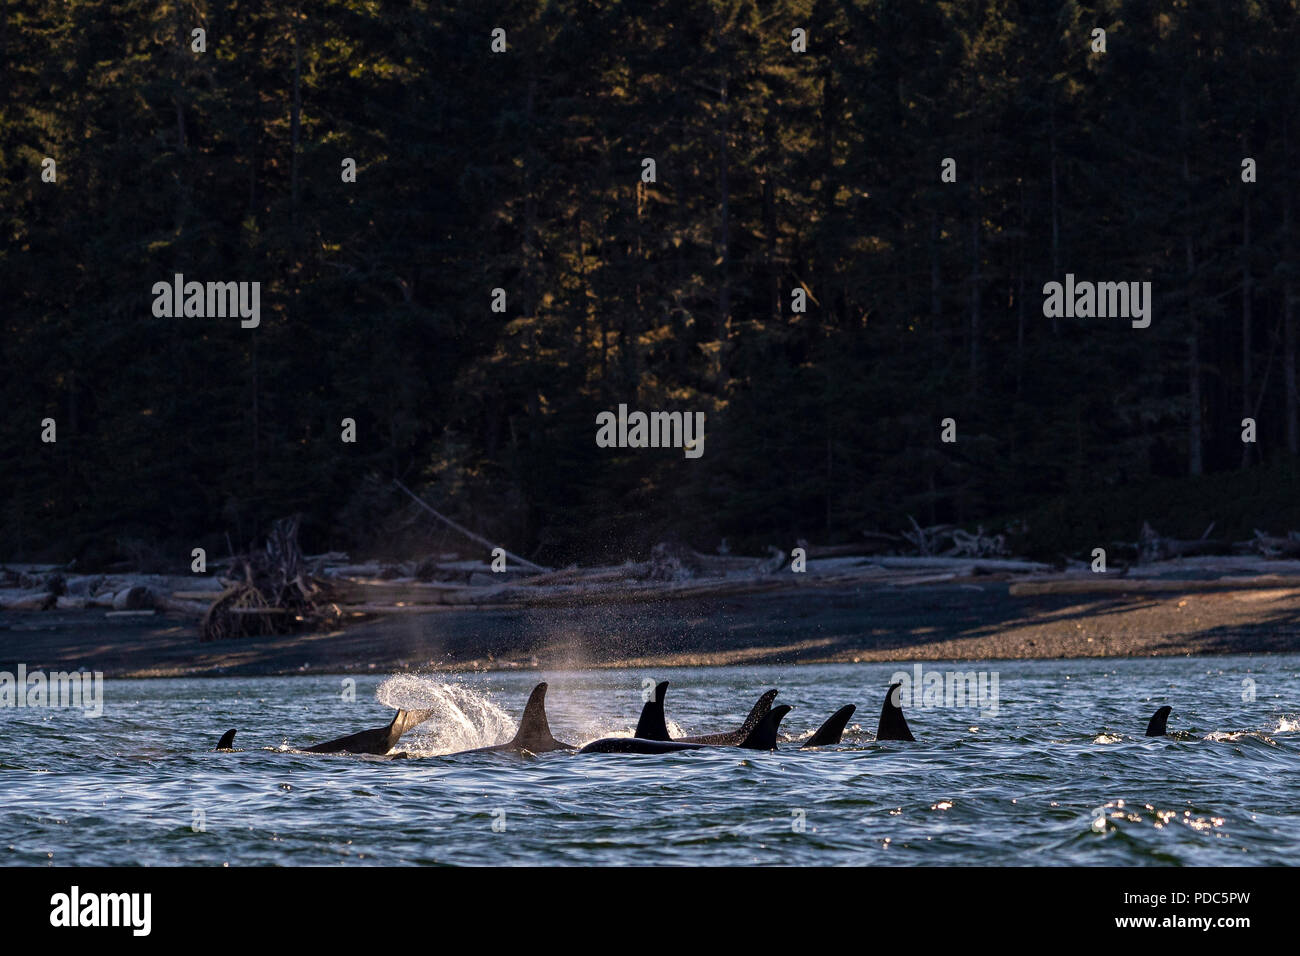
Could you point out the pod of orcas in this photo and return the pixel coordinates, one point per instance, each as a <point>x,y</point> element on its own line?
<point>757,732</point>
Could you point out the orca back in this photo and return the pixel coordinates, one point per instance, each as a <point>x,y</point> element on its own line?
<point>636,745</point>
<point>373,741</point>
<point>376,741</point>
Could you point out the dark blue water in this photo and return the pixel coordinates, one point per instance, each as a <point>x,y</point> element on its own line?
<point>1061,774</point>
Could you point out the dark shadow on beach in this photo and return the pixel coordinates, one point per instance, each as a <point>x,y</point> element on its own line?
<point>798,625</point>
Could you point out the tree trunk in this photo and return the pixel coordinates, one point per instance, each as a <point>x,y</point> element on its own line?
<point>1288,303</point>
<point>975,279</point>
<point>295,123</point>
<point>769,223</point>
<point>825,251</point>
<point>936,302</point>
<point>1020,294</point>
<point>1195,461</point>
<point>724,240</point>
<point>1056,223</point>
<point>1288,366</point>
<point>1247,448</point>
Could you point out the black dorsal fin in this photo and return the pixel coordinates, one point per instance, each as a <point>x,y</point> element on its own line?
<point>763,737</point>
<point>733,738</point>
<point>652,725</point>
<point>831,731</point>
<point>762,707</point>
<point>1156,726</point>
<point>534,734</point>
<point>227,740</point>
<point>892,726</point>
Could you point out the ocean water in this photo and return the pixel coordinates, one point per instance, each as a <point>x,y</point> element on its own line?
<point>1060,774</point>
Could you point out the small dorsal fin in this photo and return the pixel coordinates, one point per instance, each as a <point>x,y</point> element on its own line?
<point>1156,726</point>
<point>534,734</point>
<point>227,740</point>
<point>763,737</point>
<point>831,731</point>
<point>892,726</point>
<point>652,725</point>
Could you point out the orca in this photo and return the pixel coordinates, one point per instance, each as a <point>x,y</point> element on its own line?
<point>761,737</point>
<point>533,736</point>
<point>1156,726</point>
<point>653,726</point>
<point>892,726</point>
<point>635,745</point>
<point>534,733</point>
<point>378,740</point>
<point>833,730</point>
<point>736,738</point>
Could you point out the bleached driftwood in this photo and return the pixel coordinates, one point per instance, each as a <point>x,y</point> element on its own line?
<point>135,597</point>
<point>1152,546</point>
<point>1272,546</point>
<point>18,599</point>
<point>969,564</point>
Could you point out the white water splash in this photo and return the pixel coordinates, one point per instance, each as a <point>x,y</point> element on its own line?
<point>1285,725</point>
<point>465,718</point>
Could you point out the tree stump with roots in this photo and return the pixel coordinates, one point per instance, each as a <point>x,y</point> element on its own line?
<point>270,591</point>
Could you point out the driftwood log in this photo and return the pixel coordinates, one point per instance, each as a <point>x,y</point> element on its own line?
<point>1271,546</point>
<point>946,540</point>
<point>1152,546</point>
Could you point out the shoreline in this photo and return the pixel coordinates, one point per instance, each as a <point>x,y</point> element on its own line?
<point>961,620</point>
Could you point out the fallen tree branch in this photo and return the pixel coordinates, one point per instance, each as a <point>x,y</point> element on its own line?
<point>465,531</point>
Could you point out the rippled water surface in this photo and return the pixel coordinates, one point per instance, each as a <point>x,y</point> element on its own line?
<point>1061,774</point>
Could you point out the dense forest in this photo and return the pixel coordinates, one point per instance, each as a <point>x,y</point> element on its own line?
<point>779,176</point>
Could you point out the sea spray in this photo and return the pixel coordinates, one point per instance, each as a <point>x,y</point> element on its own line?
<point>465,717</point>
